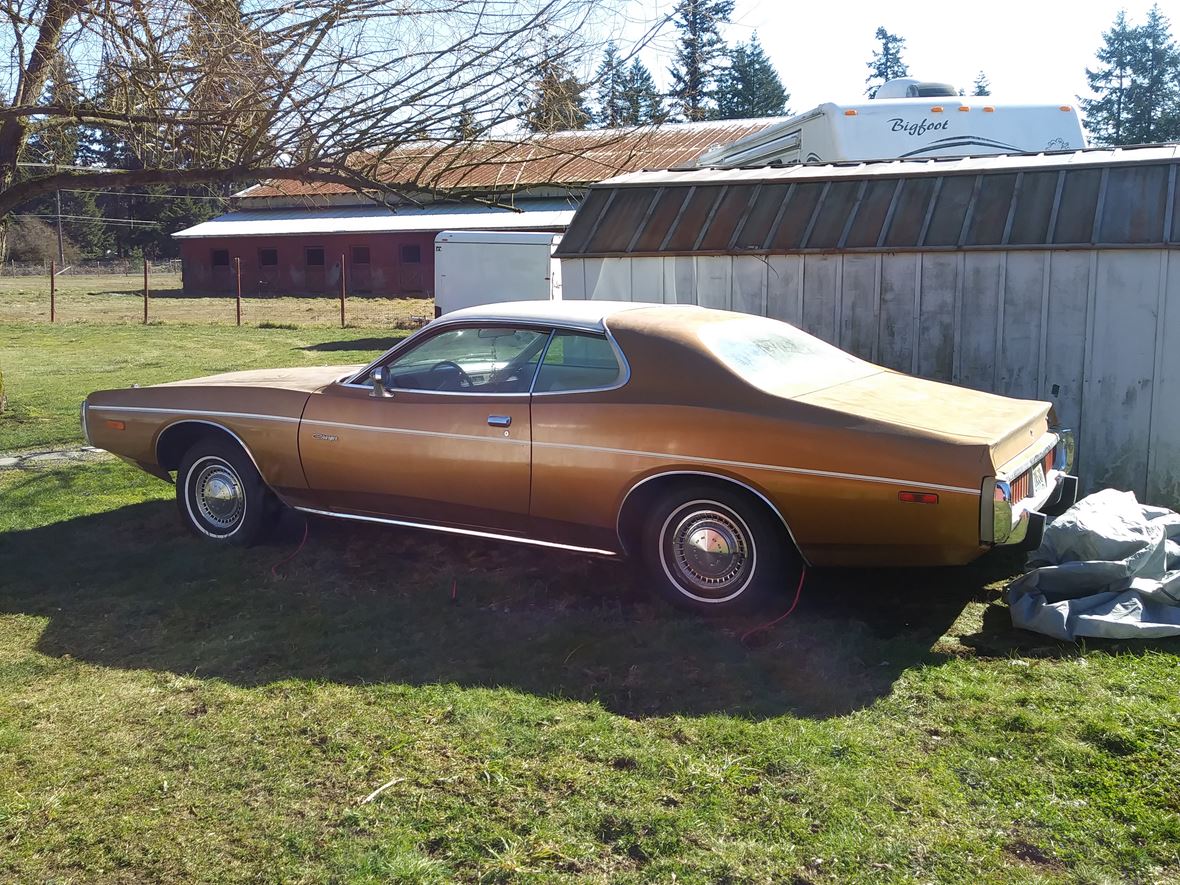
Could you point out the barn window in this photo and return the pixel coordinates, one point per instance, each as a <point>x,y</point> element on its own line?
<point>314,257</point>
<point>360,254</point>
<point>411,254</point>
<point>221,258</point>
<point>268,257</point>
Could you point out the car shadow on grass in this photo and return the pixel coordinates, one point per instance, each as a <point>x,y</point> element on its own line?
<point>367,604</point>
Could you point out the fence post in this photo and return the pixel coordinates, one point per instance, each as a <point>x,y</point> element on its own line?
<point>238,271</point>
<point>52,292</point>
<point>342,289</point>
<point>145,291</point>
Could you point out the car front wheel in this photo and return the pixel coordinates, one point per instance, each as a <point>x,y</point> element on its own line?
<point>221,496</point>
<point>716,551</point>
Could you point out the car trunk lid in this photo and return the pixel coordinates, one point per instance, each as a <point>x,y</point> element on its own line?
<point>1007,426</point>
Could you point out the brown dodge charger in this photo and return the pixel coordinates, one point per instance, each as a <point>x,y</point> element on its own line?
<point>722,448</point>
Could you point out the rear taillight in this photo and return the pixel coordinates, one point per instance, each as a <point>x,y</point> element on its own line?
<point>917,498</point>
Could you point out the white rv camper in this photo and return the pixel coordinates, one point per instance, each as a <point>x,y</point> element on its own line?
<point>908,119</point>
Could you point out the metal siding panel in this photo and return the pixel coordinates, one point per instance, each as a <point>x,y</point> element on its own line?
<point>647,279</point>
<point>680,280</point>
<point>936,326</point>
<point>896,337</point>
<point>1065,338</point>
<point>749,284</point>
<point>1163,476</point>
<point>712,280</point>
<point>784,284</point>
<point>593,269</point>
<point>820,290</point>
<point>858,320</point>
<point>1117,404</point>
<point>979,304</point>
<point>573,279</point>
<point>614,280</point>
<point>1020,341</point>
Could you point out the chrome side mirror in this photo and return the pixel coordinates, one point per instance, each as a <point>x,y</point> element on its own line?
<point>382,382</point>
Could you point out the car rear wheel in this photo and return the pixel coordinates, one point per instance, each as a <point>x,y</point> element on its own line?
<point>221,496</point>
<point>716,551</point>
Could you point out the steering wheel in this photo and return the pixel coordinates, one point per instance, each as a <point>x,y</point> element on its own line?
<point>464,378</point>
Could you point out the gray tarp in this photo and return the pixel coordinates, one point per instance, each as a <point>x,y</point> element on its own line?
<point>1108,567</point>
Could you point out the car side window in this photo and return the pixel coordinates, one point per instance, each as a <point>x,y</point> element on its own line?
<point>577,361</point>
<point>471,360</point>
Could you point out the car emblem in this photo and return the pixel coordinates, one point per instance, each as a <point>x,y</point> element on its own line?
<point>326,437</point>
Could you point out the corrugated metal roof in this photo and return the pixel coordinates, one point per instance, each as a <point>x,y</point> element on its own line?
<point>562,158</point>
<point>532,215</point>
<point>1128,198</point>
<point>935,166</point>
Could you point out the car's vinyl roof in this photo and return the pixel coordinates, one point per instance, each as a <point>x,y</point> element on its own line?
<point>588,315</point>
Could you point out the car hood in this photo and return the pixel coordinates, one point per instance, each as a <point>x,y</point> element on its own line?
<point>307,379</point>
<point>1007,426</point>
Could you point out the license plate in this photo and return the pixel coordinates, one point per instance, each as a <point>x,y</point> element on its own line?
<point>1038,480</point>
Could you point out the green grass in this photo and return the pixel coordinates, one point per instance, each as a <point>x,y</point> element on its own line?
<point>168,713</point>
<point>118,299</point>
<point>48,370</point>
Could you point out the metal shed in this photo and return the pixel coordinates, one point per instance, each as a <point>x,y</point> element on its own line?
<point>1052,276</point>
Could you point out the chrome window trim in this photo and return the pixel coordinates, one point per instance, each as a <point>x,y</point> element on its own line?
<point>82,410</point>
<point>620,380</point>
<point>455,530</point>
<point>730,479</point>
<point>553,328</point>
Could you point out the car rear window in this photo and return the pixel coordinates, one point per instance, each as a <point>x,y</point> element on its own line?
<point>778,358</point>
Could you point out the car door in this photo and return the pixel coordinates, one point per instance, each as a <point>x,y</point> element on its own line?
<point>449,442</point>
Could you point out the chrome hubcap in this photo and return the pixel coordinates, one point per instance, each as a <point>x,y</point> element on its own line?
<point>217,492</point>
<point>711,552</point>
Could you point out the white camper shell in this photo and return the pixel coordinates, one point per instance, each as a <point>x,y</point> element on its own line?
<point>488,267</point>
<point>908,119</point>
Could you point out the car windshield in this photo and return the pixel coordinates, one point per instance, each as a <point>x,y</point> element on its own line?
<point>780,359</point>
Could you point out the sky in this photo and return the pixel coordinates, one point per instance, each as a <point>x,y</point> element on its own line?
<point>1031,50</point>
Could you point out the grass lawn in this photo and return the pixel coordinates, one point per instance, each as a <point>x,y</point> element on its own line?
<point>118,298</point>
<point>48,370</point>
<point>171,715</point>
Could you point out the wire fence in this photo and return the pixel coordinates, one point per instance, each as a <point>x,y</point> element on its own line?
<point>96,267</point>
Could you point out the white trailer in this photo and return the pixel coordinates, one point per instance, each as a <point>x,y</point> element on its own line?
<point>487,267</point>
<point>908,119</point>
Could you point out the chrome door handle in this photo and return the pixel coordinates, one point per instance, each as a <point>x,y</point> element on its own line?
<point>499,420</point>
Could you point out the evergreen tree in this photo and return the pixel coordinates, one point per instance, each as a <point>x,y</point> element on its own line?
<point>700,52</point>
<point>1152,110</point>
<point>982,86</point>
<point>1106,115</point>
<point>750,86</point>
<point>558,99</point>
<point>611,80</point>
<point>886,63</point>
<point>642,103</point>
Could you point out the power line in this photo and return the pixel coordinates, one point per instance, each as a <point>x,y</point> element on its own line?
<point>79,190</point>
<point>127,222</point>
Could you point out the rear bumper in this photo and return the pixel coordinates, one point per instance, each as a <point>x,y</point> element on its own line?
<point>1013,520</point>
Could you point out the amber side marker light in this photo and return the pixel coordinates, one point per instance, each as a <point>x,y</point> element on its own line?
<point>964,108</point>
<point>117,425</point>
<point>917,498</point>
<point>937,109</point>
<point>850,113</point>
<point>1065,107</point>
<point>989,110</point>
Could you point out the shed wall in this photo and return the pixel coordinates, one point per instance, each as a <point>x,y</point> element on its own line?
<point>1087,330</point>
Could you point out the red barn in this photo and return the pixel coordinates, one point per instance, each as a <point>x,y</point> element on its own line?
<point>291,237</point>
